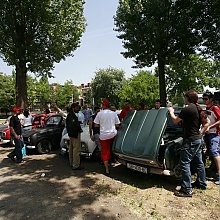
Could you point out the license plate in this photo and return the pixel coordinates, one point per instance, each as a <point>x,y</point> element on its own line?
<point>137,168</point>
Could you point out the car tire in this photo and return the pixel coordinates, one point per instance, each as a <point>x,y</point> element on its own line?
<point>44,146</point>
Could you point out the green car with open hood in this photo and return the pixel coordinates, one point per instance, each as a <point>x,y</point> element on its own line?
<point>149,142</point>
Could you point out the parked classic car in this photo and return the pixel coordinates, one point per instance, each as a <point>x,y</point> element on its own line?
<point>47,138</point>
<point>5,136</point>
<point>88,147</point>
<point>149,142</point>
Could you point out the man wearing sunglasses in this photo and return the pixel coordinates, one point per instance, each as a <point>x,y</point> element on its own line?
<point>212,136</point>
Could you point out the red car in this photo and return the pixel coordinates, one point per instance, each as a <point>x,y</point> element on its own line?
<point>5,137</point>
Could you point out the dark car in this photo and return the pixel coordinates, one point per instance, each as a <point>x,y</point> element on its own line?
<point>38,122</point>
<point>149,142</point>
<point>47,138</point>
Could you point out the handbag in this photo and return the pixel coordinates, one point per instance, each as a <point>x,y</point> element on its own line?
<point>23,150</point>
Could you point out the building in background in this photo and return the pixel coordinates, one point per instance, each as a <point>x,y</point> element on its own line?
<point>85,94</point>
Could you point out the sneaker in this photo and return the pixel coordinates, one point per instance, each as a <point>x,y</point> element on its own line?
<point>196,185</point>
<point>11,157</point>
<point>181,193</point>
<point>79,168</point>
<point>217,179</point>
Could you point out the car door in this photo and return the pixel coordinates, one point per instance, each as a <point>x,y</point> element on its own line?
<point>55,126</point>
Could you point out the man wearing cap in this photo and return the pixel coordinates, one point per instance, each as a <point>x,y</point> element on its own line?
<point>15,129</point>
<point>107,120</point>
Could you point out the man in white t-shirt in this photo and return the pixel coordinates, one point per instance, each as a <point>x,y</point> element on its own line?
<point>107,120</point>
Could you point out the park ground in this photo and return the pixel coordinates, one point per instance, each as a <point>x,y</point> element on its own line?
<point>44,187</point>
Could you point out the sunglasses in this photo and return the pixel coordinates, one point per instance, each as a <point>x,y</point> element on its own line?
<point>205,99</point>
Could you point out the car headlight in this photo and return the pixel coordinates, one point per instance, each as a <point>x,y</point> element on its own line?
<point>66,143</point>
<point>3,135</point>
<point>84,147</point>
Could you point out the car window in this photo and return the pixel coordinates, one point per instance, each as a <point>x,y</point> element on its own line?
<point>53,120</point>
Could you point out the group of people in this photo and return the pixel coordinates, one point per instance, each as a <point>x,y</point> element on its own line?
<point>198,124</point>
<point>103,127</point>
<point>102,130</point>
<point>20,122</point>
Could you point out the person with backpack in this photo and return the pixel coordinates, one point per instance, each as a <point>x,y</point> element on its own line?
<point>212,136</point>
<point>192,117</point>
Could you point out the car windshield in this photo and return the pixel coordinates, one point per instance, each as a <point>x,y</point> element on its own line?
<point>54,120</point>
<point>171,126</point>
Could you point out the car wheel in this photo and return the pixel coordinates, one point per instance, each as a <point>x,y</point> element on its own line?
<point>44,147</point>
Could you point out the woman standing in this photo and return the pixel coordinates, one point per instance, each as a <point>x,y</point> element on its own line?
<point>27,121</point>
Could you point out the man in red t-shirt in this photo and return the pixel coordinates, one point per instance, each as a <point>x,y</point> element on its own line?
<point>212,136</point>
<point>127,108</point>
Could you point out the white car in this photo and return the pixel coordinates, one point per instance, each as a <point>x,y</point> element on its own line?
<point>88,147</point>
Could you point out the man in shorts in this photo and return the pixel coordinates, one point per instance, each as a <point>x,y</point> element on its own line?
<point>107,121</point>
<point>212,136</point>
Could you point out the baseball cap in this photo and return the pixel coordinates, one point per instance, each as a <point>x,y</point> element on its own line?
<point>106,102</point>
<point>16,108</point>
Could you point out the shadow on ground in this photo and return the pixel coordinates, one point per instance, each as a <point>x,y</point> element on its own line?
<point>45,187</point>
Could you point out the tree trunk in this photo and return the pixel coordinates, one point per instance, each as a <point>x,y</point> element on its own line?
<point>161,69</point>
<point>21,84</point>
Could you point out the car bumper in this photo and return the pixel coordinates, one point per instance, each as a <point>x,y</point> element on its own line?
<point>30,147</point>
<point>4,141</point>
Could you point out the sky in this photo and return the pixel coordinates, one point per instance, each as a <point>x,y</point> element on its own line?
<point>99,48</point>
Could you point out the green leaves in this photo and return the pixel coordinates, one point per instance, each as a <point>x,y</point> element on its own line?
<point>7,92</point>
<point>36,34</point>
<point>107,84</point>
<point>143,87</point>
<point>40,32</point>
<point>195,72</point>
<point>64,95</point>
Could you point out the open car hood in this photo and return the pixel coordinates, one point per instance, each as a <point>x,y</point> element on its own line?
<point>141,133</point>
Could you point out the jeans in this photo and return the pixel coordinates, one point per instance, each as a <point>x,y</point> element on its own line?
<point>17,150</point>
<point>189,151</point>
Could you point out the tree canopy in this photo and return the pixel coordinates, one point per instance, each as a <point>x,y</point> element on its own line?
<point>156,31</point>
<point>191,73</point>
<point>36,34</point>
<point>140,88</point>
<point>107,84</point>
<point>7,91</point>
<point>65,94</point>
